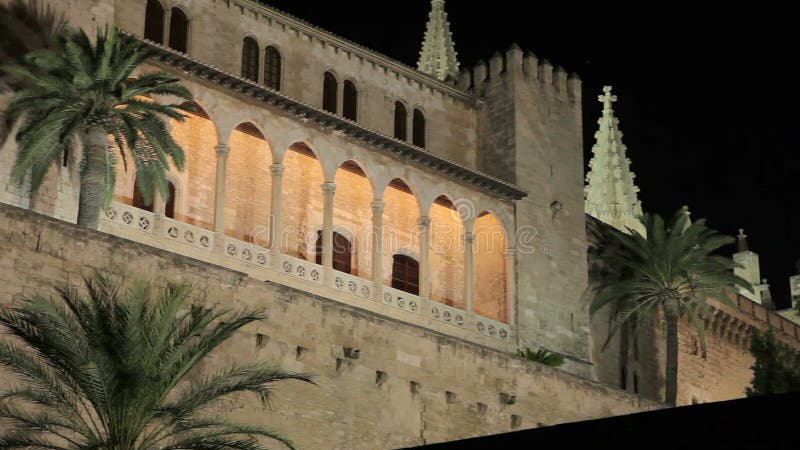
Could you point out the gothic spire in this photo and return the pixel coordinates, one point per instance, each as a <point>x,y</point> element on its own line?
<point>611,194</point>
<point>438,55</point>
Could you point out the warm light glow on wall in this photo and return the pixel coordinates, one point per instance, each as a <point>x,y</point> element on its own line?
<point>489,273</point>
<point>248,187</point>
<point>301,204</point>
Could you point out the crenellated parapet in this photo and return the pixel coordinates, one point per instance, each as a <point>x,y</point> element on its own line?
<point>736,325</point>
<point>527,69</point>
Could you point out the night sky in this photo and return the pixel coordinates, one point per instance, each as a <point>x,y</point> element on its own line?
<point>705,93</point>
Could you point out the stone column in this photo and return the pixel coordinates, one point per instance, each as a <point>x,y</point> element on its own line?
<point>410,125</point>
<point>511,286</point>
<point>167,19</point>
<point>275,212</point>
<point>424,223</point>
<point>219,198</point>
<point>340,97</point>
<point>328,191</point>
<point>469,239</point>
<point>377,248</point>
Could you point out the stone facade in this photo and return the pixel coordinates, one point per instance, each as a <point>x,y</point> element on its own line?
<point>520,109</point>
<point>381,382</point>
<point>492,210</point>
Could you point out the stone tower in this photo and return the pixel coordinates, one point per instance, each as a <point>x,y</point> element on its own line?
<point>438,56</point>
<point>611,194</point>
<point>530,132</point>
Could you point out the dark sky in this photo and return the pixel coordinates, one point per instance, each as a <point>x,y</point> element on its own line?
<point>706,94</point>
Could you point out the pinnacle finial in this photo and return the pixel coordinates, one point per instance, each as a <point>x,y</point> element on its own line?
<point>438,57</point>
<point>741,242</point>
<point>611,194</point>
<point>607,99</point>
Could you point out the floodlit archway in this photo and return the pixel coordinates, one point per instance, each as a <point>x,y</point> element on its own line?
<point>447,254</point>
<point>352,214</point>
<point>248,186</point>
<point>198,138</point>
<point>401,235</point>
<point>489,268</point>
<point>301,202</point>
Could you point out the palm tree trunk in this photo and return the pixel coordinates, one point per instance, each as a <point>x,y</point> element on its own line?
<point>93,177</point>
<point>671,317</point>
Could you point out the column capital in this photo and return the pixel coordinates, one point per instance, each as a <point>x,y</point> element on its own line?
<point>329,187</point>
<point>277,169</point>
<point>222,149</point>
<point>378,205</point>
<point>424,221</point>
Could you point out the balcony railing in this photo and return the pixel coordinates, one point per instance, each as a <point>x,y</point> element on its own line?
<point>263,264</point>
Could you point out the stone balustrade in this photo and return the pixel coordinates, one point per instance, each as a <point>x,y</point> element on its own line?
<point>262,263</point>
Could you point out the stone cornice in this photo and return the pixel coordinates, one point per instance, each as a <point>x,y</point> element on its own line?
<point>397,148</point>
<point>346,45</point>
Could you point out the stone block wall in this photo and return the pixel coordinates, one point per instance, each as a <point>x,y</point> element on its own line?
<point>408,385</point>
<point>531,134</point>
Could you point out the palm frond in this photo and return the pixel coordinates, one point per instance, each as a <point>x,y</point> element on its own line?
<point>80,82</point>
<point>109,363</point>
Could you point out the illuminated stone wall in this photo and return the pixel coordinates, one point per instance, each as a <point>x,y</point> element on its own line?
<point>407,386</point>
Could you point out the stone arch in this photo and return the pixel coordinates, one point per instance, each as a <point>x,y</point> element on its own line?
<point>154,21</point>
<point>400,116</point>
<point>490,277</point>
<point>250,57</point>
<point>350,99</point>
<point>301,200</point>
<point>274,64</point>
<point>198,135</point>
<point>180,17</point>
<point>401,231</point>
<point>446,253</point>
<point>352,210</point>
<point>330,92</point>
<point>248,185</point>
<point>251,126</point>
<point>333,165</point>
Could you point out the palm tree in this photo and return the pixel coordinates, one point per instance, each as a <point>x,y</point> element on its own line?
<point>109,371</point>
<point>674,268</point>
<point>25,26</point>
<point>84,89</point>
<point>542,356</point>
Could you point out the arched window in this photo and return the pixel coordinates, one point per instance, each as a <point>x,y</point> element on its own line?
<point>405,274</point>
<point>169,208</point>
<point>350,104</point>
<point>400,121</point>
<point>272,68</point>
<point>154,21</point>
<point>250,59</point>
<point>342,252</point>
<point>178,30</point>
<point>419,129</point>
<point>329,89</point>
<point>138,198</point>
